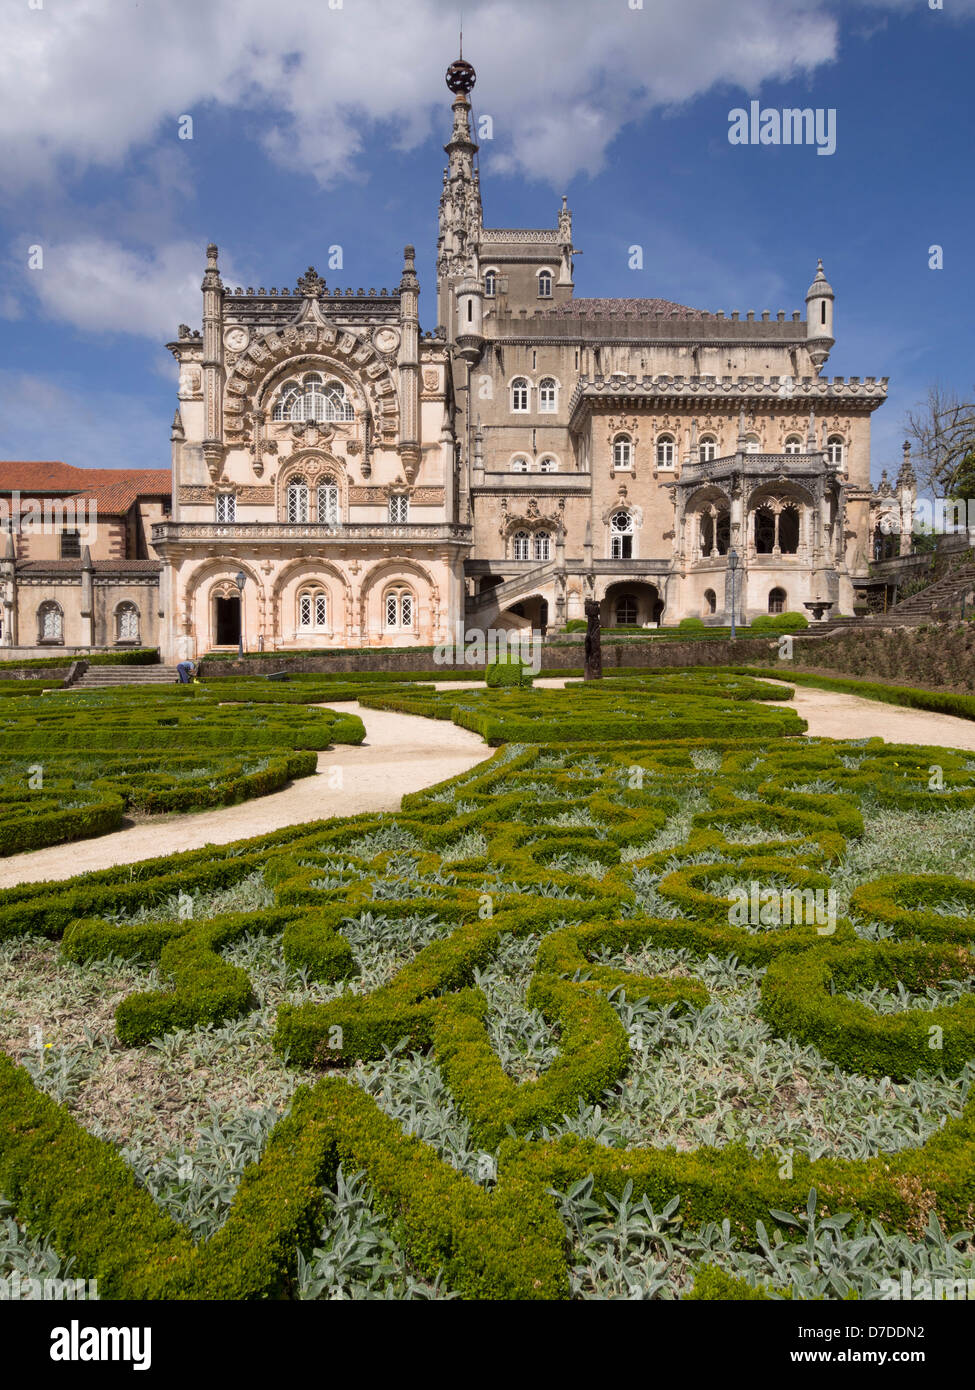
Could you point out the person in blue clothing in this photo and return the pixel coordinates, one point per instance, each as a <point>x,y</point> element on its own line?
<point>186,670</point>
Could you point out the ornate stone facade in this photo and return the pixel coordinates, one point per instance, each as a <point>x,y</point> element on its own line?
<point>372,486</point>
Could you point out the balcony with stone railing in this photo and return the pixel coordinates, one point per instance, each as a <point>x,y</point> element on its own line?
<point>271,533</point>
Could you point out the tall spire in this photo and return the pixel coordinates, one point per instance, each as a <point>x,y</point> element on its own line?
<point>461,216</point>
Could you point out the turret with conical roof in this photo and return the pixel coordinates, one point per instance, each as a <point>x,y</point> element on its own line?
<point>819,318</point>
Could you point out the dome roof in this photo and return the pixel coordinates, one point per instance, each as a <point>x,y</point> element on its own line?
<point>820,287</point>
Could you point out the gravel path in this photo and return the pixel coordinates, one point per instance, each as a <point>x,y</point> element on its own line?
<point>405,753</point>
<point>401,753</point>
<point>832,715</point>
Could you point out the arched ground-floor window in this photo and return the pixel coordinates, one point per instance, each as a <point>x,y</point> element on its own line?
<point>127,623</point>
<point>776,601</point>
<point>399,609</point>
<point>312,610</point>
<point>50,622</point>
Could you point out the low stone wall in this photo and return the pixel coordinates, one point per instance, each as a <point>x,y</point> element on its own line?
<point>935,656</point>
<point>34,673</point>
<point>556,656</point>
<point>12,655</point>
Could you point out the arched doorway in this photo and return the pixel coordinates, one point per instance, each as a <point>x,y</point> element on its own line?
<point>226,620</point>
<point>631,604</point>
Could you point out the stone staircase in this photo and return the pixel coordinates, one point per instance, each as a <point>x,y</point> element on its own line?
<point>940,598</point>
<point>98,677</point>
<point>504,595</point>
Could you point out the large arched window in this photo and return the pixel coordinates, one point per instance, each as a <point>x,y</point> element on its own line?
<point>521,546</point>
<point>710,600</point>
<point>776,601</point>
<point>793,445</point>
<point>127,623</point>
<point>621,536</point>
<point>789,530</point>
<point>50,622</point>
<point>519,464</point>
<point>296,496</point>
<point>490,283</point>
<point>665,451</point>
<point>834,449</point>
<point>313,398</point>
<point>312,610</point>
<point>327,502</point>
<point>543,546</point>
<point>709,448</point>
<point>545,284</point>
<point>519,395</point>
<point>753,445</point>
<point>547,395</point>
<point>764,530</point>
<point>399,609</point>
<point>548,465</point>
<point>622,451</point>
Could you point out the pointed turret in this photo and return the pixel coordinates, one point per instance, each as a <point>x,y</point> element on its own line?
<point>212,287</point>
<point>461,215</point>
<point>811,432</point>
<point>819,318</point>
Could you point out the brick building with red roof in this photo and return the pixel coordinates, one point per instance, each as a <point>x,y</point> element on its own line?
<point>77,566</point>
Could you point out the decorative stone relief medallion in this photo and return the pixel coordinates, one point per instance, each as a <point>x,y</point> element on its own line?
<point>236,339</point>
<point>431,379</point>
<point>386,339</point>
<point>190,380</point>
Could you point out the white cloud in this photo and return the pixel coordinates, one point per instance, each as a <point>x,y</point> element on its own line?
<point>89,83</point>
<point>45,418</point>
<point>100,286</point>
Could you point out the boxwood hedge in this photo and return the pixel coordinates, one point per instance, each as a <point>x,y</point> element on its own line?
<point>567,833</point>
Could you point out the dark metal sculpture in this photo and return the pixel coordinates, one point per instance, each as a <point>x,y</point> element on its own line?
<point>594,647</point>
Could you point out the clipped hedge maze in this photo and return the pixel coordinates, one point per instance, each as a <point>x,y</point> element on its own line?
<point>74,764</point>
<point>615,711</point>
<point>567,834</point>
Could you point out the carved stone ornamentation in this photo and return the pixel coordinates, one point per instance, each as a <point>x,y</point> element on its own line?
<point>310,284</point>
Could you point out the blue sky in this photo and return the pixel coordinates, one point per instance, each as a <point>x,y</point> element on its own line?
<point>323,124</point>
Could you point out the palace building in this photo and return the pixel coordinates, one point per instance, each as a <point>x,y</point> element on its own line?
<point>341,479</point>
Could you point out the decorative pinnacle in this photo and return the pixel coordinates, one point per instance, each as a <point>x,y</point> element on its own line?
<point>461,75</point>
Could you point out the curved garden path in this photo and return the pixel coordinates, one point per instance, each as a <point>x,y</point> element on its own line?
<point>401,753</point>
<point>404,753</point>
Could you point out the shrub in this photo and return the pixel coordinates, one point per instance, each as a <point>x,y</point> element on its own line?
<point>763,621</point>
<point>508,672</point>
<point>790,620</point>
<point>691,624</point>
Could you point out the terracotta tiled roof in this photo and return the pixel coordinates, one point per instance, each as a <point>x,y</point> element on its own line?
<point>646,308</point>
<point>113,490</point>
<point>98,567</point>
